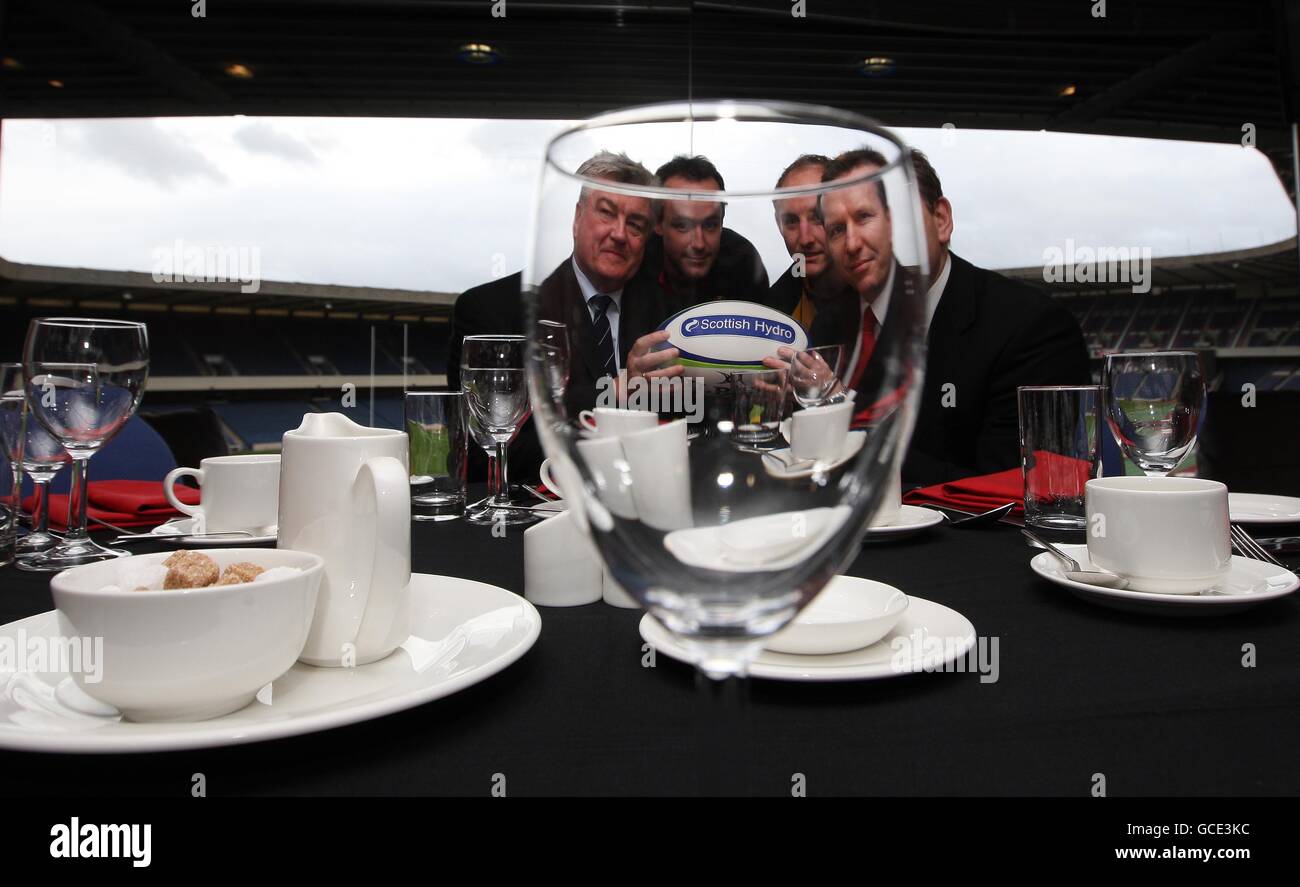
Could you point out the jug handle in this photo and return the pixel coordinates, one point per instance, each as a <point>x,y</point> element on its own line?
<point>385,483</point>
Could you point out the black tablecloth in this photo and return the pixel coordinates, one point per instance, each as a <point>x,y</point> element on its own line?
<point>1156,704</point>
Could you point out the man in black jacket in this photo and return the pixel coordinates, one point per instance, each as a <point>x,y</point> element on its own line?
<point>987,334</point>
<point>607,308</point>
<point>692,257</point>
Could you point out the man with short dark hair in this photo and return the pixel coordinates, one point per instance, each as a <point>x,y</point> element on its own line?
<point>986,334</point>
<point>692,257</point>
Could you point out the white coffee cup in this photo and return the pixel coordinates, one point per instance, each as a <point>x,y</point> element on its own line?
<point>238,493</point>
<point>547,471</point>
<point>819,432</point>
<point>1163,534</point>
<point>610,474</point>
<point>661,480</point>
<point>612,422</point>
<point>561,567</point>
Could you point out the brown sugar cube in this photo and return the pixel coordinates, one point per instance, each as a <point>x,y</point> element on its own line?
<point>190,569</point>
<point>239,573</point>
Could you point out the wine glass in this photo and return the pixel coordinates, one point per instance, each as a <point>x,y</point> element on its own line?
<point>720,545</point>
<point>1154,402</point>
<point>496,401</point>
<point>85,378</point>
<point>815,374</point>
<point>31,449</point>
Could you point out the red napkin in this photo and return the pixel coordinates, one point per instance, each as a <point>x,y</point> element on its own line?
<point>974,494</point>
<point>124,503</point>
<point>987,491</point>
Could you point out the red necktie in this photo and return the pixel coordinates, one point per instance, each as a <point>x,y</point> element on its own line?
<point>868,344</point>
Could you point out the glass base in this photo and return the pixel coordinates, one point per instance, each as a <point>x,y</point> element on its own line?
<point>491,515</point>
<point>68,554</point>
<point>35,543</point>
<point>1057,521</point>
<point>437,508</point>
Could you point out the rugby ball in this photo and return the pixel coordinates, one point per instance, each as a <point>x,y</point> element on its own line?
<point>716,340</point>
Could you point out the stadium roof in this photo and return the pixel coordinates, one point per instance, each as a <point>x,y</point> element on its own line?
<point>1156,68</point>
<point>49,286</point>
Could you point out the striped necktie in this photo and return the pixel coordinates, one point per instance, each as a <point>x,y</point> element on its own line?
<point>604,335</point>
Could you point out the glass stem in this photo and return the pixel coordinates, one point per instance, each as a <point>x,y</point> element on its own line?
<point>41,513</point>
<point>77,502</point>
<point>492,476</point>
<point>503,477</point>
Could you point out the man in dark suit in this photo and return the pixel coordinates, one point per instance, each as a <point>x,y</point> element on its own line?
<point>607,309</point>
<point>692,257</point>
<point>986,336</point>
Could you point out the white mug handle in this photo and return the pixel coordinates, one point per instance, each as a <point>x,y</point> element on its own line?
<point>170,481</point>
<point>381,496</point>
<point>587,419</point>
<point>548,478</point>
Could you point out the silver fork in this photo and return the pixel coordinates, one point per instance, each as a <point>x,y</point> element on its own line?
<point>1247,547</point>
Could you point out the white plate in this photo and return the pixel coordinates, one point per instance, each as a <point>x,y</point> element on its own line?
<point>911,519</point>
<point>181,525</point>
<point>928,636</point>
<point>462,632</point>
<point>1257,508</point>
<point>1249,582</point>
<point>775,465</point>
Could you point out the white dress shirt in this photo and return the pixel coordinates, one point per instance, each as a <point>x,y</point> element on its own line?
<point>588,290</point>
<point>881,303</point>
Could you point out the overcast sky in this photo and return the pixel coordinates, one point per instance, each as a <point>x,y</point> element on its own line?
<point>445,204</point>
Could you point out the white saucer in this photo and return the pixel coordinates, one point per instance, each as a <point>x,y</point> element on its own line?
<point>181,525</point>
<point>462,632</point>
<point>774,460</point>
<point>928,636</point>
<point>1258,508</point>
<point>1249,582</point>
<point>911,519</point>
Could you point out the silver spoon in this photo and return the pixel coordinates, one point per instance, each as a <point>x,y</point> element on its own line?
<point>1072,568</point>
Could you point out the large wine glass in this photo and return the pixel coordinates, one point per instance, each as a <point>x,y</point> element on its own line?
<point>716,538</point>
<point>1154,402</point>
<point>85,378</point>
<point>496,405</point>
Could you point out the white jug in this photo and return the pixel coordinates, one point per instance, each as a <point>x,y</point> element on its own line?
<point>345,495</point>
